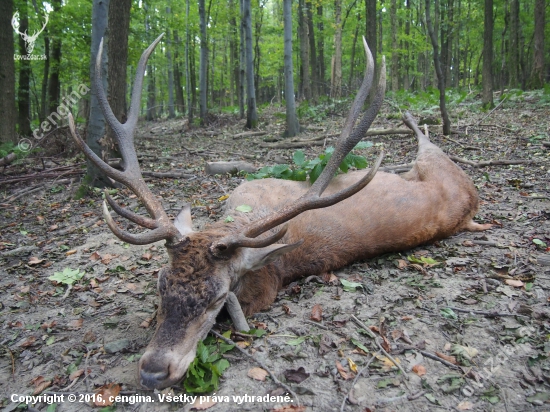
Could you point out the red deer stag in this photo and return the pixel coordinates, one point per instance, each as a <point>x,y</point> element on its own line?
<point>249,258</point>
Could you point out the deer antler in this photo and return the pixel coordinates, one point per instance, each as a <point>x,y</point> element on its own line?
<point>312,198</point>
<point>162,227</point>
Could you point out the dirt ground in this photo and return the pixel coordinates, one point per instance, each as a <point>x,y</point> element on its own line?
<point>477,300</point>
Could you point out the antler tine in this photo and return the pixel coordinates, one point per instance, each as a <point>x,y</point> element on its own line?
<point>312,198</point>
<point>131,176</point>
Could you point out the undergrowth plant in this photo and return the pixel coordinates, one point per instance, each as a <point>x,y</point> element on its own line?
<point>302,168</point>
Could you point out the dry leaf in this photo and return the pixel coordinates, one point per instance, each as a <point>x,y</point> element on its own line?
<point>407,318</point>
<point>201,406</point>
<point>106,259</point>
<point>465,406</point>
<point>106,391</point>
<point>243,344</point>
<point>286,308</point>
<point>419,370</point>
<point>28,342</point>
<point>76,374</point>
<point>40,387</point>
<point>35,261</point>
<point>515,283</point>
<point>70,252</point>
<point>396,334</point>
<point>49,325</point>
<point>296,375</point>
<point>147,256</point>
<point>317,313</point>
<point>146,323</point>
<point>448,358</point>
<point>52,228</point>
<point>402,263</point>
<point>343,373</point>
<point>290,408</point>
<point>257,373</point>
<point>352,365</point>
<point>75,324</point>
<point>95,256</point>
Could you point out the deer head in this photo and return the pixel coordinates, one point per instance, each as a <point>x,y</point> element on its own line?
<point>205,266</point>
<point>29,39</point>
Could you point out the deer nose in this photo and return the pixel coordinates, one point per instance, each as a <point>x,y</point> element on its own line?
<point>153,379</point>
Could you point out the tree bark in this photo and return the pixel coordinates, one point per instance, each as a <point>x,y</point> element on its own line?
<point>439,73</point>
<point>303,29</point>
<point>7,74</point>
<point>394,52</point>
<point>251,113</point>
<point>117,56</point>
<point>54,86</point>
<point>292,126</point>
<point>180,101</point>
<point>513,61</point>
<point>242,64</point>
<point>23,93</point>
<point>203,64</point>
<point>321,49</point>
<point>336,76</point>
<point>187,66</point>
<point>487,98</point>
<point>313,53</point>
<point>171,111</point>
<point>96,123</point>
<point>537,74</point>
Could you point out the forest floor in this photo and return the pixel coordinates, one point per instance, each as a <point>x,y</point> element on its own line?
<point>480,301</point>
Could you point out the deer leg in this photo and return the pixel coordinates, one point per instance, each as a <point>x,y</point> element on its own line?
<point>236,313</point>
<point>472,226</point>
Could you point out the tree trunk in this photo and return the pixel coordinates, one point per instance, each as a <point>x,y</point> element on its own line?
<point>203,65</point>
<point>117,56</point>
<point>336,76</point>
<point>321,49</point>
<point>487,98</point>
<point>242,63</point>
<point>257,49</point>
<point>352,62</point>
<point>151,112</point>
<point>312,54</point>
<point>7,74</point>
<point>187,67</point>
<point>394,51</point>
<point>96,122</point>
<point>233,59</point>
<point>171,111</point>
<point>251,113</point>
<point>303,29</point>
<point>54,86</point>
<point>292,126</point>
<point>513,61</point>
<point>439,73</point>
<point>537,74</point>
<point>23,93</point>
<point>180,101</point>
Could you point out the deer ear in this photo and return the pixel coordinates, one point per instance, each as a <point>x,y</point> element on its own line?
<point>183,220</point>
<point>253,258</point>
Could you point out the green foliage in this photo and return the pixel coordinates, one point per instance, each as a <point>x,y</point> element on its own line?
<point>68,276</point>
<point>205,371</point>
<point>303,168</point>
<point>9,147</point>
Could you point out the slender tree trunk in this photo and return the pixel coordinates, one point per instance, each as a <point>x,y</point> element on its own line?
<point>187,66</point>
<point>312,54</point>
<point>352,62</point>
<point>242,63</point>
<point>487,98</point>
<point>45,76</point>
<point>371,24</point>
<point>151,100</point>
<point>251,113</point>
<point>171,111</point>
<point>503,72</point>
<point>54,86</point>
<point>303,29</point>
<point>439,73</point>
<point>117,56</point>
<point>7,74</point>
<point>23,94</point>
<point>336,83</point>
<point>394,51</point>
<point>96,123</point>
<point>406,79</point>
<point>233,58</point>
<point>180,101</point>
<point>321,49</point>
<point>513,61</point>
<point>292,126</point>
<point>537,74</point>
<point>257,49</point>
<point>203,65</point>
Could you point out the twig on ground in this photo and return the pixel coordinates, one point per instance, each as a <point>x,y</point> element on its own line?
<point>485,313</point>
<point>490,162</point>
<point>259,362</point>
<point>411,397</point>
<point>355,381</point>
<point>315,324</point>
<point>491,112</point>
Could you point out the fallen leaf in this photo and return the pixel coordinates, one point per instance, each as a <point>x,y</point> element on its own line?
<point>330,278</point>
<point>75,324</point>
<point>49,325</point>
<point>106,259</point>
<point>146,323</point>
<point>257,373</point>
<point>290,408</point>
<point>317,313</point>
<point>468,243</point>
<point>286,308</point>
<point>515,283</point>
<point>106,391</point>
<point>199,405</point>
<point>76,374</point>
<point>448,358</point>
<point>343,373</point>
<point>28,342</point>
<point>419,370</point>
<point>40,387</point>
<point>407,318</point>
<point>89,337</point>
<point>95,256</point>
<point>52,228</point>
<point>402,263</point>
<point>352,365</point>
<point>70,252</point>
<point>35,261</point>
<point>296,375</point>
<point>396,334</point>
<point>147,256</point>
<point>465,406</point>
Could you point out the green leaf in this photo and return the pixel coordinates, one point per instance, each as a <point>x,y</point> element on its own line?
<point>257,333</point>
<point>315,173</point>
<point>359,345</point>
<point>539,242</point>
<point>299,175</point>
<point>297,341</point>
<point>363,145</point>
<point>244,208</point>
<point>50,340</point>
<point>229,219</point>
<point>299,158</point>
<point>350,286</point>
<point>448,313</point>
<point>68,276</point>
